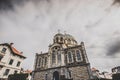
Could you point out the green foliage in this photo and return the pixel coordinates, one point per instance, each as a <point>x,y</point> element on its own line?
<point>18,77</point>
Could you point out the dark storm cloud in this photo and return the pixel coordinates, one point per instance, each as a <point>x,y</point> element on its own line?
<point>6,4</point>
<point>116,1</point>
<point>113,48</point>
<point>10,4</point>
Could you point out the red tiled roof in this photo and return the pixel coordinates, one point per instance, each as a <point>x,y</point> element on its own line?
<point>16,51</point>
<point>13,49</point>
<point>28,71</point>
<point>94,69</point>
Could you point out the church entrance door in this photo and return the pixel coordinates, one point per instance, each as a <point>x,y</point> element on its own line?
<point>56,75</point>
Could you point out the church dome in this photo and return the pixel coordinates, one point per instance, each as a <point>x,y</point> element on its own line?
<point>58,35</point>
<point>68,36</point>
<point>69,39</point>
<point>64,39</point>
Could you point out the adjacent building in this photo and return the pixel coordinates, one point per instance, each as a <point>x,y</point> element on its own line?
<point>116,70</point>
<point>97,75</point>
<point>10,60</point>
<point>64,60</point>
<point>116,73</point>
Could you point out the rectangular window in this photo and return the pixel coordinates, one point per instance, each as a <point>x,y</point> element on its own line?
<point>1,58</point>
<point>6,72</point>
<point>15,72</point>
<point>18,64</point>
<point>3,50</point>
<point>11,62</point>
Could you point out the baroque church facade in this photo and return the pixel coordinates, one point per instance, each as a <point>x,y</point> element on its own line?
<point>64,60</point>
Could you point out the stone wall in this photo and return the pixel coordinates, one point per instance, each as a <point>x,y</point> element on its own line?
<point>39,75</point>
<point>77,73</point>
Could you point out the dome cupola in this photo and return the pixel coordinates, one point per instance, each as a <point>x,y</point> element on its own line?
<point>58,38</point>
<point>66,39</point>
<point>69,39</point>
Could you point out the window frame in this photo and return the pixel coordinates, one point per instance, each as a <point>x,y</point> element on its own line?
<point>57,39</point>
<point>39,61</point>
<point>45,61</point>
<point>42,62</point>
<point>59,57</point>
<point>68,60</point>
<point>54,53</point>
<point>6,72</point>
<point>1,57</point>
<point>11,61</point>
<point>46,76</point>
<point>3,50</point>
<point>81,59</point>
<point>15,72</point>
<point>18,64</point>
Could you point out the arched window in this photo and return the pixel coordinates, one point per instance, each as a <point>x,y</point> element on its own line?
<point>69,74</point>
<point>45,60</point>
<point>59,57</point>
<point>56,39</point>
<point>56,75</point>
<point>46,76</point>
<point>69,56</point>
<point>42,62</point>
<point>53,58</point>
<point>69,41</point>
<point>61,39</point>
<point>78,55</point>
<point>39,61</point>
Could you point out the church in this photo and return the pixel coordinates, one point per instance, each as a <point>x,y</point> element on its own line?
<point>64,60</point>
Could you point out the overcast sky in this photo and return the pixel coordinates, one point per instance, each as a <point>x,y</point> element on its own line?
<point>31,25</point>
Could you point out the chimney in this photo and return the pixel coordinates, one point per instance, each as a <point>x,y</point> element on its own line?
<point>11,44</point>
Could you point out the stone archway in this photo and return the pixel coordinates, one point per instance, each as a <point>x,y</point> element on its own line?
<point>56,75</point>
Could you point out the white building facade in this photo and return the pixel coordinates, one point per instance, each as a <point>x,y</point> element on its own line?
<point>10,60</point>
